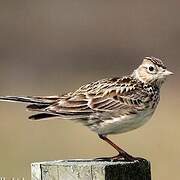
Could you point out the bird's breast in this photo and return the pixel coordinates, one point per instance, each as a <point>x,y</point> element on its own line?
<point>124,123</point>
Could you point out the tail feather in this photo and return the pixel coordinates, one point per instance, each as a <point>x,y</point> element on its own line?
<point>26,99</point>
<point>41,116</point>
<point>37,107</point>
<point>35,103</point>
<point>40,104</point>
<point>31,99</point>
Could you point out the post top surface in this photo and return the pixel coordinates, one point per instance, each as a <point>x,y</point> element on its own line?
<point>89,162</point>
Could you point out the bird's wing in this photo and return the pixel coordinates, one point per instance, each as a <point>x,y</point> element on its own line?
<point>124,98</point>
<point>71,107</point>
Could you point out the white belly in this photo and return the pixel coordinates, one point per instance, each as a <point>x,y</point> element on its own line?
<point>124,123</point>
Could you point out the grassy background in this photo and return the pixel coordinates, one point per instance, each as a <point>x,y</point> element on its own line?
<point>51,47</point>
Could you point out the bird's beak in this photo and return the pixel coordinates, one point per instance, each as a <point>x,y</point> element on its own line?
<point>167,73</point>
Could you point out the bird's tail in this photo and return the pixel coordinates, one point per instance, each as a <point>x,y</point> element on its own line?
<point>31,99</point>
<point>35,103</point>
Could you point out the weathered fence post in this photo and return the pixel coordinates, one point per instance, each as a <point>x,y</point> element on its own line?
<point>91,170</point>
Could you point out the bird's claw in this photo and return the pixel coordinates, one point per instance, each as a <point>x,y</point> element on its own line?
<point>118,157</point>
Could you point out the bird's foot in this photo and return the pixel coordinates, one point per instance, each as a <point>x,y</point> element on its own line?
<point>124,157</point>
<point>120,157</point>
<point>109,159</point>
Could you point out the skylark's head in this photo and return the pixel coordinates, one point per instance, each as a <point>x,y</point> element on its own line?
<point>152,70</point>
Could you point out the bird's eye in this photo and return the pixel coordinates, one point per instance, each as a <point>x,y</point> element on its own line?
<point>151,68</point>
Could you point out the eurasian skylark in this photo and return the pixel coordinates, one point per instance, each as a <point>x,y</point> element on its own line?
<point>108,106</point>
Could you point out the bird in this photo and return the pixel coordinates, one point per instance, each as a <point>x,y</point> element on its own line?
<point>107,106</point>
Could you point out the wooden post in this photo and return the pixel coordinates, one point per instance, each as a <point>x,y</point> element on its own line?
<point>91,170</point>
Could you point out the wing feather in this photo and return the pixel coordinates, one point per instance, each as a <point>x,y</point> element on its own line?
<point>124,96</point>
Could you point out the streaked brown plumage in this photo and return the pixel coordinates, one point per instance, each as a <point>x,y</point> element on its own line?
<point>108,106</point>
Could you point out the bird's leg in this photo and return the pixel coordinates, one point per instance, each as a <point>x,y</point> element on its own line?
<point>122,153</point>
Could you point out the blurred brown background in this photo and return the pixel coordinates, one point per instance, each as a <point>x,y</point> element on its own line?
<point>50,47</point>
